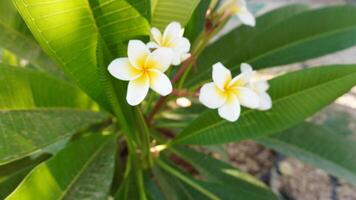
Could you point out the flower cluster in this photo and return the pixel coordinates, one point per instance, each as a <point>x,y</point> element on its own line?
<point>228,94</point>
<point>146,69</point>
<point>146,65</point>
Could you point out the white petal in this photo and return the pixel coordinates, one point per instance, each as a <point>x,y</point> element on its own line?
<point>137,52</point>
<point>247,97</point>
<point>160,59</point>
<point>156,35</point>
<point>176,59</point>
<point>261,86</point>
<point>172,31</point>
<point>122,69</point>
<point>160,83</point>
<point>231,109</point>
<point>265,101</point>
<point>246,68</point>
<point>221,75</point>
<point>137,90</point>
<point>152,45</point>
<point>211,96</point>
<point>181,33</point>
<point>182,45</point>
<point>242,79</point>
<point>246,17</point>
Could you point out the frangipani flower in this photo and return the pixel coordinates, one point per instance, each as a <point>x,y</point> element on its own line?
<point>239,8</point>
<point>227,94</point>
<point>172,38</point>
<point>143,70</point>
<point>260,87</point>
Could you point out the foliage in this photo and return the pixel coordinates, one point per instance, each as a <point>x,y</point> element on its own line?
<point>67,131</point>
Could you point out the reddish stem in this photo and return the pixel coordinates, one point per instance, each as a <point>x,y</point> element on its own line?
<point>162,99</point>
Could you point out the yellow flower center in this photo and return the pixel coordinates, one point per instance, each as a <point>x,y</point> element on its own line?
<point>167,41</point>
<point>230,89</point>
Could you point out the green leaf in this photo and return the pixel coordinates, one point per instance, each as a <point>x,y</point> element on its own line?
<point>213,190</point>
<point>132,187</point>
<point>8,58</point>
<point>196,24</point>
<point>15,37</point>
<point>166,11</point>
<point>281,38</point>
<point>13,173</point>
<point>121,20</point>
<point>295,96</point>
<point>69,30</point>
<point>152,189</point>
<point>23,132</point>
<point>23,88</point>
<point>217,171</point>
<point>26,48</point>
<point>174,189</point>
<point>10,16</point>
<point>318,146</point>
<point>83,170</point>
<point>187,179</point>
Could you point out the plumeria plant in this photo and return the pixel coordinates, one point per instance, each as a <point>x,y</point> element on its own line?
<point>121,99</point>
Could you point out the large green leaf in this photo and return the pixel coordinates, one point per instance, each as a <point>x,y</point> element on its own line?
<point>281,38</point>
<point>220,172</point>
<point>23,132</point>
<point>172,188</point>
<point>69,32</point>
<point>132,187</point>
<point>15,36</point>
<point>83,170</point>
<point>152,189</point>
<point>318,146</point>
<point>196,24</point>
<point>22,88</point>
<point>212,190</point>
<point>121,20</point>
<point>295,96</point>
<point>166,11</point>
<point>26,48</point>
<point>10,16</point>
<point>13,173</point>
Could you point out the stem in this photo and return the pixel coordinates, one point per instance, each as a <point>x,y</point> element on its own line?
<point>155,109</point>
<point>163,99</point>
<point>145,137</point>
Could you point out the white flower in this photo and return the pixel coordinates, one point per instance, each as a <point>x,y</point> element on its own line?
<point>239,8</point>
<point>172,38</point>
<point>227,93</point>
<point>260,87</point>
<point>143,70</point>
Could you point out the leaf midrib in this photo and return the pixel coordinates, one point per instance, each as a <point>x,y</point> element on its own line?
<point>297,42</point>
<point>274,101</point>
